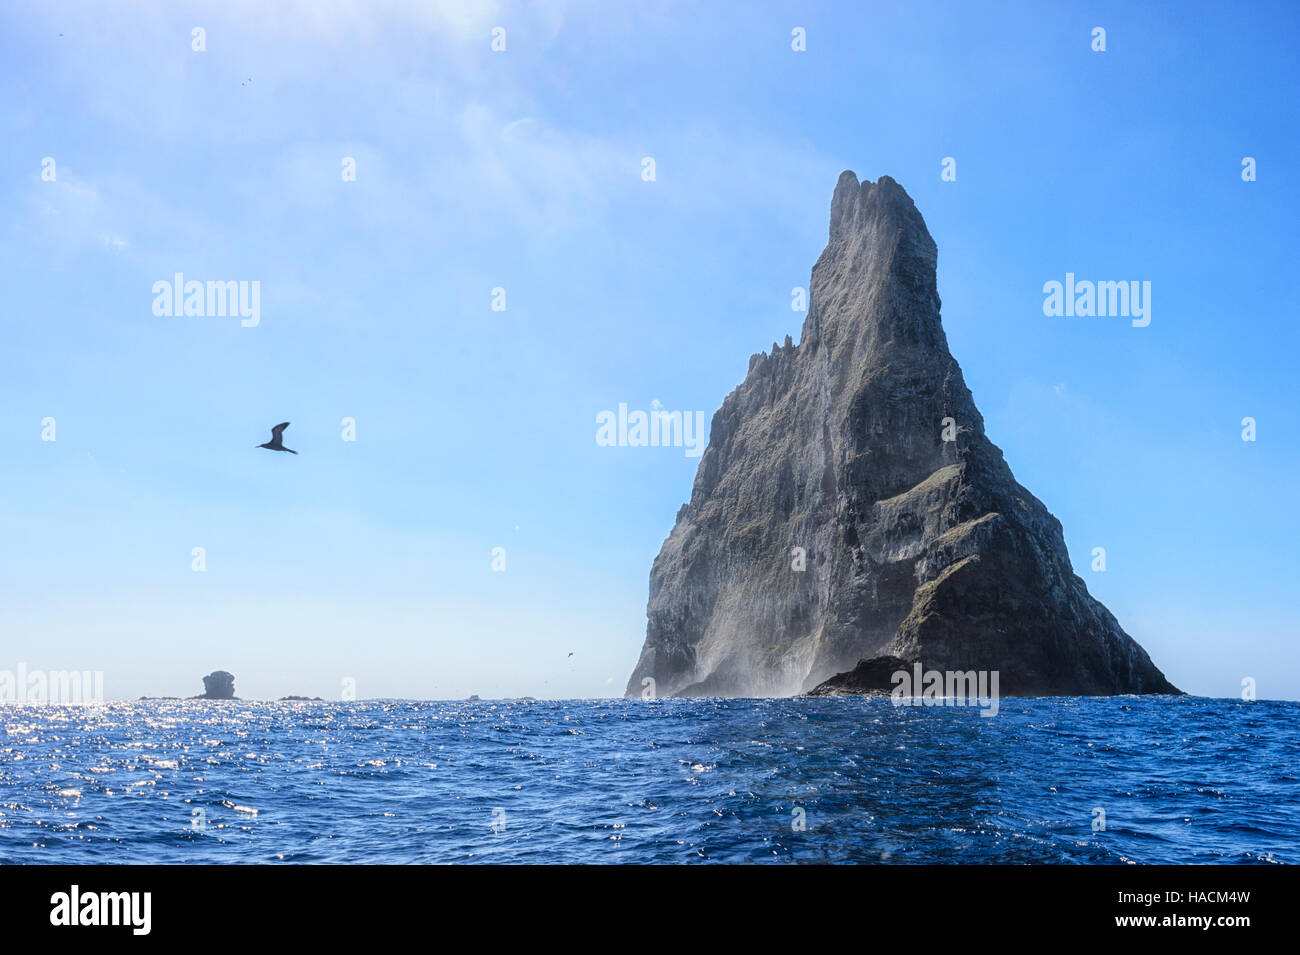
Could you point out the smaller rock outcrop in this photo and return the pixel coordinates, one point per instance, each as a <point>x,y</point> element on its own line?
<point>874,677</point>
<point>218,685</point>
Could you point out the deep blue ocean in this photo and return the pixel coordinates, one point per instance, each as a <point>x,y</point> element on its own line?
<point>1179,780</point>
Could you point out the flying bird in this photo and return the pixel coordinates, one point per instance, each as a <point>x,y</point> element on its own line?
<point>277,440</point>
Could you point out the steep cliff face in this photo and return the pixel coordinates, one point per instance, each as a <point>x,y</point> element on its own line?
<point>913,547</point>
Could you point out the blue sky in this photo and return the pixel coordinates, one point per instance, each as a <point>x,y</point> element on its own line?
<point>371,560</point>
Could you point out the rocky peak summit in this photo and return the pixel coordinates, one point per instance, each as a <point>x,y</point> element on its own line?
<point>849,507</point>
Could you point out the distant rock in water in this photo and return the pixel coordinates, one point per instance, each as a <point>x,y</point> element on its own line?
<point>851,517</point>
<point>300,699</point>
<point>218,685</point>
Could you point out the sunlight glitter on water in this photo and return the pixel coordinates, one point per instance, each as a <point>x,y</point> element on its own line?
<point>1178,779</point>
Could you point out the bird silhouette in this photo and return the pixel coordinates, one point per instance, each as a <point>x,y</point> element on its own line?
<point>277,440</point>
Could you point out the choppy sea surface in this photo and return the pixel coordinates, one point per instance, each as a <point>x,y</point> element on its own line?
<point>1179,780</point>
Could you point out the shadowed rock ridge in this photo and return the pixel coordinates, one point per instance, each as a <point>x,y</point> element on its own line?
<point>917,549</point>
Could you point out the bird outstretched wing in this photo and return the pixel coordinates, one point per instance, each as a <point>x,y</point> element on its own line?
<point>279,429</point>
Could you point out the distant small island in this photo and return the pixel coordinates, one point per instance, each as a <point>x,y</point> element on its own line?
<point>218,685</point>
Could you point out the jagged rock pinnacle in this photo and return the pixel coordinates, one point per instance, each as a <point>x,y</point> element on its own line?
<point>849,508</point>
